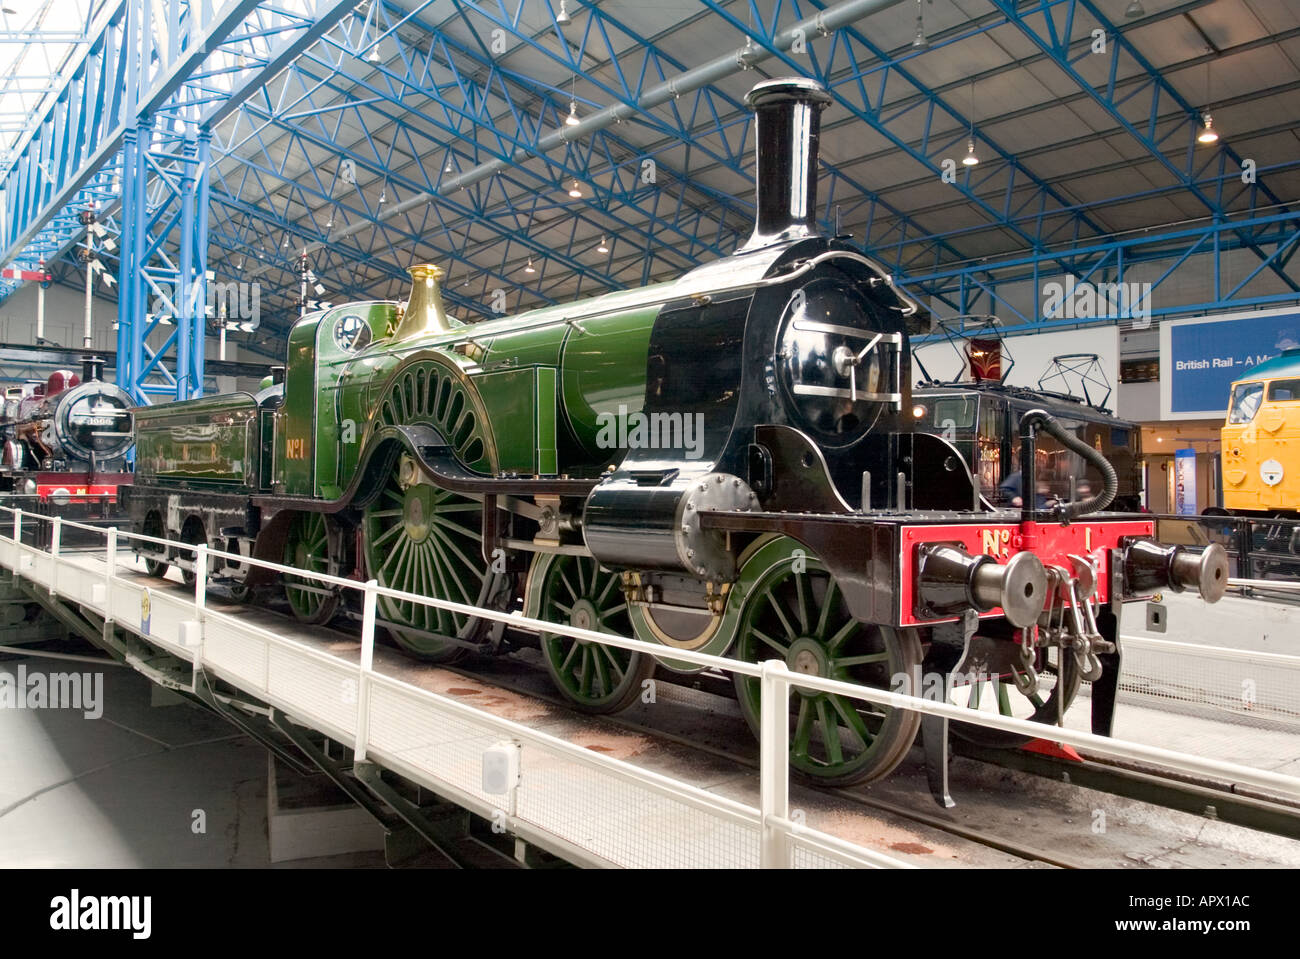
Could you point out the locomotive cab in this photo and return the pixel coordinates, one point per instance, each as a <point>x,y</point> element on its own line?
<point>313,434</point>
<point>1261,438</point>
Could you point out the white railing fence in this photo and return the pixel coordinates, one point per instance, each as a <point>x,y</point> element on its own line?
<point>439,741</point>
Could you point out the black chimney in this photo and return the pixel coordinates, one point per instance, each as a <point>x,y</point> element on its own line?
<point>788,117</point>
<point>92,368</point>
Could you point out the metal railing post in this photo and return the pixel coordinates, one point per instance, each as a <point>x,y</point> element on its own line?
<point>56,541</point>
<point>774,764</point>
<point>1245,545</point>
<point>110,570</point>
<point>367,664</point>
<point>18,540</point>
<point>200,580</point>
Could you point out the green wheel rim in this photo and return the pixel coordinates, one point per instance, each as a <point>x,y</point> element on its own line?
<point>574,590</point>
<point>717,633</point>
<point>1008,700</point>
<point>307,547</point>
<point>795,611</point>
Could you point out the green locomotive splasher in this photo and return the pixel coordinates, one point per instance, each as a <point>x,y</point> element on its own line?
<point>548,380</point>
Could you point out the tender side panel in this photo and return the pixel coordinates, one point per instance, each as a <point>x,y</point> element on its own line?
<point>1093,540</point>
<point>207,442</point>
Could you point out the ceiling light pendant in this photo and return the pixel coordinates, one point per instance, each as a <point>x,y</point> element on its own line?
<point>572,119</point>
<point>530,268</point>
<point>919,42</point>
<point>1134,10</point>
<point>575,190</point>
<point>604,247</point>
<point>563,16</point>
<point>373,55</point>
<point>970,159</point>
<point>1208,134</point>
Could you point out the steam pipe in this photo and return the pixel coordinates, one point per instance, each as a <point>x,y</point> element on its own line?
<point>1028,480</point>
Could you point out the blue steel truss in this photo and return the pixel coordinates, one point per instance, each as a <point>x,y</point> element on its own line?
<point>1143,110</point>
<point>128,133</point>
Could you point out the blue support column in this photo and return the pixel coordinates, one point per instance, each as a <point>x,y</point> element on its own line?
<point>191,273</point>
<point>131,287</point>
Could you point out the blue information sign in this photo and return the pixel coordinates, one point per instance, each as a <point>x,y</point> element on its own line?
<point>1204,357</point>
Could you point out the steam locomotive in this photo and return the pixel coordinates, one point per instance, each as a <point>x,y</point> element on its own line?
<point>67,437</point>
<point>725,462</point>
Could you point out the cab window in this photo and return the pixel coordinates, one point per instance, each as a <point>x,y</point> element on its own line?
<point>953,412</point>
<point>1283,390</point>
<point>1246,398</point>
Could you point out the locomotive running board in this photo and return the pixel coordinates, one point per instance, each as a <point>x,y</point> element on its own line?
<point>437,461</point>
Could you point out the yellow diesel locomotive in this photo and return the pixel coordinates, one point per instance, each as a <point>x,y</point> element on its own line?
<point>1261,441</point>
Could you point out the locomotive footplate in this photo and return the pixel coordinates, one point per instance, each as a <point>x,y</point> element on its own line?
<point>997,595</point>
<point>880,560</point>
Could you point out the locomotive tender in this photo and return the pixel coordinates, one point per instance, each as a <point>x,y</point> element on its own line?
<point>725,463</point>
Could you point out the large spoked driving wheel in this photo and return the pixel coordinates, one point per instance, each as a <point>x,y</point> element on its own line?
<point>310,544</point>
<point>574,590</point>
<point>794,611</point>
<point>1002,696</point>
<point>421,539</point>
<point>424,540</point>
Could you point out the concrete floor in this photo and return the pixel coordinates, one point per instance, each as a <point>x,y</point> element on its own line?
<point>126,789</point>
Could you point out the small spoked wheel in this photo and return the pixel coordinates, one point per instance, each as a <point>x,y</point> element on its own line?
<point>153,526</point>
<point>192,533</point>
<point>310,544</point>
<point>1002,696</point>
<point>795,611</point>
<point>574,590</point>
